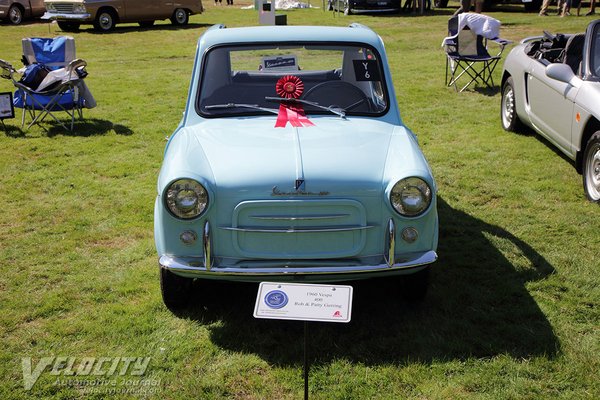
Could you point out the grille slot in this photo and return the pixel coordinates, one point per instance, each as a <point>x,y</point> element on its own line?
<point>64,8</point>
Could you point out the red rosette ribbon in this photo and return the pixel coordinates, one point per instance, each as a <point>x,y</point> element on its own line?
<point>290,87</point>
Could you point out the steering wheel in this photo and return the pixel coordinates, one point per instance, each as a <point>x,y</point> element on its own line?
<point>331,93</point>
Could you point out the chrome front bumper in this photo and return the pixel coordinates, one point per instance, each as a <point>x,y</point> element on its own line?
<point>194,266</point>
<point>65,16</point>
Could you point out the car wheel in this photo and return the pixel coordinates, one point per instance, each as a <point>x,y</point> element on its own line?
<point>146,24</point>
<point>105,21</point>
<point>508,108</point>
<point>591,168</point>
<point>176,291</point>
<point>180,17</point>
<point>414,286</point>
<point>68,26</point>
<point>15,14</point>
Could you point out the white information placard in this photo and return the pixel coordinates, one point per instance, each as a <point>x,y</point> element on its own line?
<point>304,302</point>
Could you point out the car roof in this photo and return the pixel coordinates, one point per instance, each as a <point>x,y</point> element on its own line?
<point>355,33</point>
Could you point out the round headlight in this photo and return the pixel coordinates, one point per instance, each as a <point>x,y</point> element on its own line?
<point>186,198</point>
<point>411,196</point>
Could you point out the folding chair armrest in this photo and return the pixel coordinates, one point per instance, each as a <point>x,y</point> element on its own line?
<point>7,70</point>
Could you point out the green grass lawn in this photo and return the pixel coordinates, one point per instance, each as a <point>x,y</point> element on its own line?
<point>513,310</point>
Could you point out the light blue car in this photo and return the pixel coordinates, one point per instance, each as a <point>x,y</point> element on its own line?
<point>291,162</point>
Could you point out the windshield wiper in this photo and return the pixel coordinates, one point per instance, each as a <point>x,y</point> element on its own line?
<point>335,110</point>
<point>236,105</point>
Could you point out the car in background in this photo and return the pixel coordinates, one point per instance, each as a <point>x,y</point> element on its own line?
<point>551,83</point>
<point>16,11</point>
<point>364,6</point>
<point>105,14</point>
<point>291,163</point>
<point>530,5</point>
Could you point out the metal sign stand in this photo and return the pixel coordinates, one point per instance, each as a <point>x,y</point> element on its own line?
<point>304,302</point>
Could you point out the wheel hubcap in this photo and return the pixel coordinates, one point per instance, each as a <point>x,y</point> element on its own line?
<point>180,16</point>
<point>593,173</point>
<point>15,16</point>
<point>105,21</point>
<point>508,110</point>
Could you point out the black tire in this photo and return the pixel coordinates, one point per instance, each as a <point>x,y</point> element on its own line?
<point>176,291</point>
<point>440,3</point>
<point>146,24</point>
<point>591,168</point>
<point>180,17</point>
<point>105,20</point>
<point>414,286</point>
<point>15,14</point>
<point>69,26</point>
<point>508,108</point>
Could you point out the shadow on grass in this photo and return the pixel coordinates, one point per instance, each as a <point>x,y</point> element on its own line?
<point>477,306</point>
<point>120,29</point>
<point>82,128</point>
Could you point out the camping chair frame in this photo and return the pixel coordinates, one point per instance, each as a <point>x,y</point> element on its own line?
<point>477,67</point>
<point>38,110</point>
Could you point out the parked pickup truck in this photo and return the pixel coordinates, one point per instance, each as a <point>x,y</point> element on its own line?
<point>105,14</point>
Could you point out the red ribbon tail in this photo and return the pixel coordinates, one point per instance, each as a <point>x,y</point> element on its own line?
<point>293,114</point>
<point>282,117</point>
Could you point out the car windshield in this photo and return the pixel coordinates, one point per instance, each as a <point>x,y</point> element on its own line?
<point>322,79</point>
<point>595,56</point>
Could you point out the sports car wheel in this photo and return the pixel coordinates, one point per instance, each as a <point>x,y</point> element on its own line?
<point>176,291</point>
<point>414,286</point>
<point>15,14</point>
<point>591,168</point>
<point>508,108</point>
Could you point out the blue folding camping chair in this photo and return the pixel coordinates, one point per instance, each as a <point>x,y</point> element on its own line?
<point>51,81</point>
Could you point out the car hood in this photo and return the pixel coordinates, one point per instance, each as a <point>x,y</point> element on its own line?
<point>253,159</point>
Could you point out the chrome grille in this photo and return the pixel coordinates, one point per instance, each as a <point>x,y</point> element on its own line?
<point>299,229</point>
<point>66,8</point>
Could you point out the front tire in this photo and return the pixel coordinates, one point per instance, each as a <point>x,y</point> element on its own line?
<point>15,14</point>
<point>176,291</point>
<point>105,21</point>
<point>508,108</point>
<point>68,26</point>
<point>591,168</point>
<point>180,17</point>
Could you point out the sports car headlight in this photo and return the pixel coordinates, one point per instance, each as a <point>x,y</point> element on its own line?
<point>411,196</point>
<point>186,198</point>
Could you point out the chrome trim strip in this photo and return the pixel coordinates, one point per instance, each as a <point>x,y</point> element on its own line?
<point>391,239</point>
<point>296,230</point>
<point>298,218</point>
<point>206,246</point>
<point>193,266</point>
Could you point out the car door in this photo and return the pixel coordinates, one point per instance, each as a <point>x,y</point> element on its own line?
<point>141,10</point>
<point>551,105</point>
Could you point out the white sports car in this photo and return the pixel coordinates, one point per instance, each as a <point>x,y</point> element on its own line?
<point>551,83</point>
